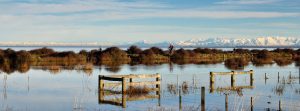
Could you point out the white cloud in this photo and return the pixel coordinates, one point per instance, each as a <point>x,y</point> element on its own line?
<point>23,20</point>
<point>69,21</point>
<point>122,33</point>
<point>247,2</point>
<point>193,13</point>
<point>75,6</point>
<point>283,25</point>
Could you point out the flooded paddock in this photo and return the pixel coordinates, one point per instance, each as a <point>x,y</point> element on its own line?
<point>273,88</point>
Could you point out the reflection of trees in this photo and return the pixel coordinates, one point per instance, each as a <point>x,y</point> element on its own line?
<point>283,61</point>
<point>113,68</point>
<point>53,69</point>
<point>198,61</point>
<point>236,63</point>
<point>7,68</point>
<point>153,66</point>
<point>88,72</point>
<point>23,68</point>
<point>261,62</point>
<point>171,67</point>
<point>133,67</point>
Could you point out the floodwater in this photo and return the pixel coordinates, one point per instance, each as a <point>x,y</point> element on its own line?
<point>41,90</point>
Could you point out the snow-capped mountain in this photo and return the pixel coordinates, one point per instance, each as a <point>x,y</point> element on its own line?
<point>201,42</point>
<point>260,41</point>
<point>229,42</point>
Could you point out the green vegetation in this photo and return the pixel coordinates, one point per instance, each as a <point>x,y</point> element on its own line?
<point>21,61</point>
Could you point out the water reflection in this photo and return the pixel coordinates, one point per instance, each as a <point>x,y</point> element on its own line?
<point>236,63</point>
<point>57,67</point>
<point>233,86</point>
<point>173,89</point>
<point>185,95</point>
<point>285,84</point>
<point>5,87</point>
<point>136,91</point>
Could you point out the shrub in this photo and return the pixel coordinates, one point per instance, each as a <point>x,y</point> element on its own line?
<point>69,54</point>
<point>23,56</point>
<point>290,51</point>
<point>114,54</point>
<point>134,50</point>
<point>207,51</point>
<point>236,63</point>
<point>263,54</point>
<point>241,51</point>
<point>181,54</point>
<point>42,52</point>
<point>157,50</point>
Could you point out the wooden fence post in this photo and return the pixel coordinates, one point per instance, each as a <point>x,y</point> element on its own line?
<point>266,78</point>
<point>101,84</point>
<point>226,102</point>
<point>251,77</point>
<point>278,77</point>
<point>299,75</point>
<point>158,85</point>
<point>180,101</point>
<point>202,98</point>
<point>100,89</point>
<point>232,79</point>
<point>280,105</point>
<point>124,92</point>
<point>130,81</point>
<point>212,82</point>
<point>251,103</point>
<point>158,79</point>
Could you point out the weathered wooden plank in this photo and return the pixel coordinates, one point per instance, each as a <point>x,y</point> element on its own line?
<point>110,78</point>
<point>231,73</point>
<point>112,92</point>
<point>134,83</point>
<point>234,88</point>
<point>136,98</point>
<point>136,76</point>
<point>222,73</point>
<point>111,102</point>
<point>243,72</point>
<point>112,84</point>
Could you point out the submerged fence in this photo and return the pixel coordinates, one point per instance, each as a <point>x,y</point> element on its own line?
<point>233,86</point>
<point>123,81</point>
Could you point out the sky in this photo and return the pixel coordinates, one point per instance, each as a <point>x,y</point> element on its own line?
<point>122,21</point>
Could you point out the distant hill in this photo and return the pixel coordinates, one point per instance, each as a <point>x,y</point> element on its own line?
<point>229,42</point>
<point>272,42</point>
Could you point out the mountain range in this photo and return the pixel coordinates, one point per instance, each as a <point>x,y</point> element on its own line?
<point>229,42</point>
<point>201,42</point>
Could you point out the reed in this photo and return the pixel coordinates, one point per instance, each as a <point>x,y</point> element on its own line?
<point>137,91</point>
<point>88,66</point>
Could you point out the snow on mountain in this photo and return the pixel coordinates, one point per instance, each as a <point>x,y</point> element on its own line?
<point>229,42</point>
<point>200,42</point>
<point>261,41</point>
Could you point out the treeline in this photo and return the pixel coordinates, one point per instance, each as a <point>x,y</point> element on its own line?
<point>21,60</point>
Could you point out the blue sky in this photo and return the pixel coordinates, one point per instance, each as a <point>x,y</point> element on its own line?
<point>152,20</point>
